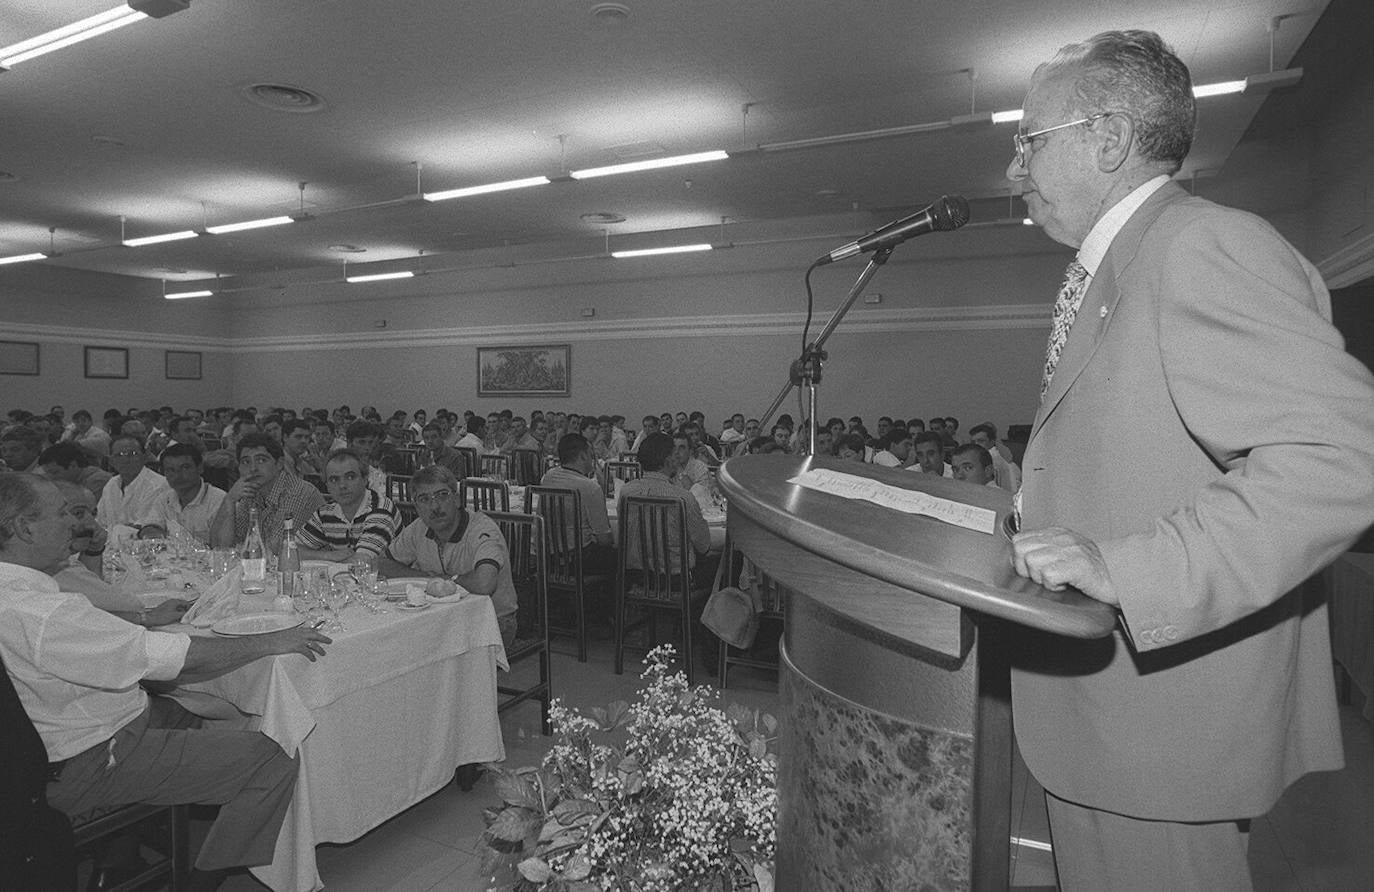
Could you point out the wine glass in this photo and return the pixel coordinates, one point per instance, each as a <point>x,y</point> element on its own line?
<point>335,599</point>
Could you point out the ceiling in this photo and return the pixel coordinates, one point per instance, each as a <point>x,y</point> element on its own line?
<point>152,122</point>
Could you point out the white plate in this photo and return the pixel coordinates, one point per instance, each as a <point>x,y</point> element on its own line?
<point>257,623</point>
<point>412,606</point>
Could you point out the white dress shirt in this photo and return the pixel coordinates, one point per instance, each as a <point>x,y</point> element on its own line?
<point>195,517</point>
<point>135,504</point>
<point>77,668</point>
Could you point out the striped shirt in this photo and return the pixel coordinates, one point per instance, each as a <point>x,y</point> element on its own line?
<point>372,527</point>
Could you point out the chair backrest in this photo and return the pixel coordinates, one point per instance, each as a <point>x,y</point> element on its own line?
<point>653,539</point>
<point>470,463</point>
<point>405,459</point>
<point>525,466</point>
<point>621,470</point>
<point>484,495</point>
<point>561,511</point>
<point>398,488</point>
<point>497,466</point>
<point>525,540</point>
<point>628,456</point>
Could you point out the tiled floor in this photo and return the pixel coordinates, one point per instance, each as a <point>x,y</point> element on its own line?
<point>1318,839</point>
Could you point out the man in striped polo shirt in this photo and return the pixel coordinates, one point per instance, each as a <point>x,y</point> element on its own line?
<point>358,518</point>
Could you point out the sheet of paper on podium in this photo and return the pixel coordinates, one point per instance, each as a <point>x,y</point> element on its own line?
<point>847,486</point>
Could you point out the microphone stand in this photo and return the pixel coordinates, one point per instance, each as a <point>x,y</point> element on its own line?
<point>806,369</point>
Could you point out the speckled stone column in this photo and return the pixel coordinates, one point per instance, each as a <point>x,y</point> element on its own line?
<point>876,750</point>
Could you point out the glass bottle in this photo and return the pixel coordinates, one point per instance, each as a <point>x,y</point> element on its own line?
<point>288,565</point>
<point>254,556</point>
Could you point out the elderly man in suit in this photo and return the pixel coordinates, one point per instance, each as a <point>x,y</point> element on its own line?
<point>1191,345</point>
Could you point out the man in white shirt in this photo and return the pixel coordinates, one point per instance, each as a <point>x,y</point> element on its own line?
<point>132,498</point>
<point>683,468</point>
<point>77,670</point>
<point>473,438</point>
<point>735,431</point>
<point>896,449</point>
<point>191,504</point>
<point>1007,473</point>
<point>930,455</point>
<point>91,437</point>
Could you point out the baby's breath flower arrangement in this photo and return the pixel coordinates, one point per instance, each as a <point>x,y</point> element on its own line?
<point>688,800</point>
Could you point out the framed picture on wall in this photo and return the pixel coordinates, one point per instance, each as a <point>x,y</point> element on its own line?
<point>528,370</point>
<point>183,365</point>
<point>18,358</point>
<point>107,362</point>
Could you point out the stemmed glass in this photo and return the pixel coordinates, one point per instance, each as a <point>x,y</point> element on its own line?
<point>335,599</point>
<point>364,570</point>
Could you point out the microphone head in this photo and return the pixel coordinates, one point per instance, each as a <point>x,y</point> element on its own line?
<point>950,212</point>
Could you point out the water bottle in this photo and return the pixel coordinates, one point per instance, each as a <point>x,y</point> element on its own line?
<point>254,557</point>
<point>288,566</point>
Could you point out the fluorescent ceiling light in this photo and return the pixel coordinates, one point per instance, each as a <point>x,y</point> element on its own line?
<point>1272,80</point>
<point>1006,117</point>
<point>22,258</point>
<point>489,187</point>
<point>647,252</point>
<point>379,277</point>
<point>182,295</point>
<point>651,164</point>
<point>155,239</point>
<point>68,34</point>
<point>248,224</point>
<point>1221,88</point>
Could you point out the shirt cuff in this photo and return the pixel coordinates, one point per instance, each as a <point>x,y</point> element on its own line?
<point>166,654</point>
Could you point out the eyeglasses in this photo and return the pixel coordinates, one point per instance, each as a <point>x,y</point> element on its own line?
<point>1021,142</point>
<point>124,454</point>
<point>429,498</point>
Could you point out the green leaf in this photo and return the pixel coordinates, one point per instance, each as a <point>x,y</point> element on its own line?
<point>569,810</point>
<point>516,790</point>
<point>617,713</point>
<point>600,716</point>
<point>764,877</point>
<point>552,827</point>
<point>535,870</point>
<point>579,867</point>
<point>512,824</point>
<point>758,748</point>
<point>770,724</point>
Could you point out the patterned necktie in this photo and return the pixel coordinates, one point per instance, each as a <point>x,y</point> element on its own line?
<point>1066,305</point>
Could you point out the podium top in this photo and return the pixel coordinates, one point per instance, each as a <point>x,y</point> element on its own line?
<point>969,569</point>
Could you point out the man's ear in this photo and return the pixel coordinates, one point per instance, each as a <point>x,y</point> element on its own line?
<point>1118,142</point>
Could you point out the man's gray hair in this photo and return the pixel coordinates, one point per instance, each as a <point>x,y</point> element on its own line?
<point>18,499</point>
<point>434,474</point>
<point>1136,73</point>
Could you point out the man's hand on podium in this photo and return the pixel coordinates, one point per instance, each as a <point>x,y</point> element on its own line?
<point>1056,557</point>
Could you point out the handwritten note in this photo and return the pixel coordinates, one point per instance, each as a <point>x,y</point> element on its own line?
<point>847,486</point>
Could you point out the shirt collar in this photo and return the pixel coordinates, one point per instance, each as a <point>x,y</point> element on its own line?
<point>1099,239</point>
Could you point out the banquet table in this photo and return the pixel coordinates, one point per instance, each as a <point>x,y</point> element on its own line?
<point>381,721</point>
<point>1350,590</point>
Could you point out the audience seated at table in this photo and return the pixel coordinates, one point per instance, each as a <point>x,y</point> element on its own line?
<point>89,436</point>
<point>262,484</point>
<point>77,670</point>
<point>355,520</point>
<point>450,542</point>
<point>191,504</point>
<point>474,435</point>
<point>295,442</point>
<point>684,469</point>
<point>895,449</point>
<point>577,471</point>
<point>519,437</point>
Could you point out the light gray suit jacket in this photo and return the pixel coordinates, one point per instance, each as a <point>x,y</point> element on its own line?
<point>1207,428</point>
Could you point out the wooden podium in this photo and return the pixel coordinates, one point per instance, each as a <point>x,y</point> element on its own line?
<point>895,735</point>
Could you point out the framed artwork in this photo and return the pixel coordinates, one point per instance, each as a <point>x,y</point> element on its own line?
<point>107,362</point>
<point>18,358</point>
<point>182,365</point>
<point>530,370</point>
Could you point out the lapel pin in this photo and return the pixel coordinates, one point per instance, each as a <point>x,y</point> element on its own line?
<point>1103,312</point>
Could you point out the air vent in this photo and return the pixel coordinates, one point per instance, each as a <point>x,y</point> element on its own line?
<point>283,98</point>
<point>601,218</point>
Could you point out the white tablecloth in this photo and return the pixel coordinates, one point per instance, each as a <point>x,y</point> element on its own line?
<point>1350,584</point>
<point>381,721</point>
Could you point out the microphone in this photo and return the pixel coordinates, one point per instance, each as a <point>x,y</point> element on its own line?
<point>949,212</point>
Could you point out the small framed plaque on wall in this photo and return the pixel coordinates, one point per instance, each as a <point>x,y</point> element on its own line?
<point>183,365</point>
<point>18,358</point>
<point>107,362</point>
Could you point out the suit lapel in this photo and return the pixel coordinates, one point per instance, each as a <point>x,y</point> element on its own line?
<point>1098,309</point>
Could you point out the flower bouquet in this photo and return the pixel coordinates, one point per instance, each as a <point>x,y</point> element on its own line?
<point>684,799</point>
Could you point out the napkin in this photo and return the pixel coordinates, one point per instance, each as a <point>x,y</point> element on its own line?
<point>220,601</point>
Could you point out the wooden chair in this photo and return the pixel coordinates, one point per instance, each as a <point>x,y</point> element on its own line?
<point>92,830</point>
<point>497,466</point>
<point>405,460</point>
<point>525,466</point>
<point>653,529</point>
<point>524,534</point>
<point>561,511</point>
<point>484,495</point>
<point>470,462</point>
<point>621,470</point>
<point>398,488</point>
<point>628,456</point>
